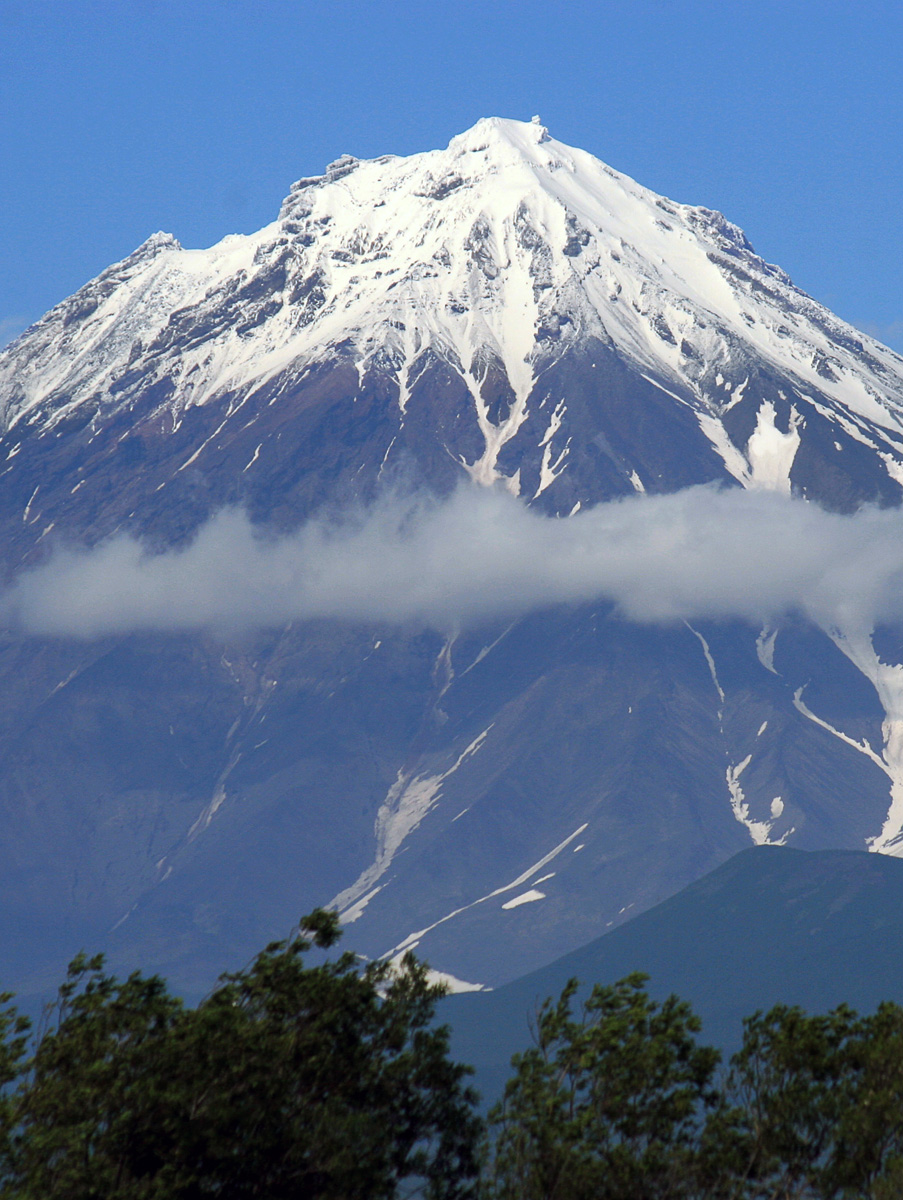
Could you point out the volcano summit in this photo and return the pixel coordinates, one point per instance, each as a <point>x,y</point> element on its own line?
<point>524,345</point>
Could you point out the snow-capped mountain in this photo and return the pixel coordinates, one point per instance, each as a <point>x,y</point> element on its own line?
<point>509,311</point>
<point>496,258</point>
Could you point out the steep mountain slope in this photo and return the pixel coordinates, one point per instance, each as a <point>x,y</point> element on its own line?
<point>511,312</point>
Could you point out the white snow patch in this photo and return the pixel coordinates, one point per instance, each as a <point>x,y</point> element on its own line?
<point>386,456</point>
<point>759,831</point>
<point>216,801</point>
<point>452,984</point>
<point>893,466</point>
<point>524,898</point>
<point>863,747</point>
<point>193,457</point>
<point>413,938</point>
<point>887,679</point>
<point>733,460</point>
<point>770,452</point>
<point>484,650</point>
<point>661,387</point>
<point>548,470</point>
<point>444,670</point>
<point>29,504</point>
<point>356,910</point>
<point>765,648</point>
<point>407,802</point>
<point>554,423</point>
<point>736,394</point>
<point>64,682</point>
<point>711,664</point>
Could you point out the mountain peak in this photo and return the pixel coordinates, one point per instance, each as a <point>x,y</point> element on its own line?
<point>490,131</point>
<point>507,248</point>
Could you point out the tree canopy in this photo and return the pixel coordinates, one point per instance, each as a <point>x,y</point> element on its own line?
<point>326,1081</point>
<point>333,1081</point>
<point>607,1103</point>
<point>619,1102</point>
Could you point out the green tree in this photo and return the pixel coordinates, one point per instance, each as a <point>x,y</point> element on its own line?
<point>14,1031</point>
<point>869,1142</point>
<point>85,1109</point>
<point>786,1093</point>
<point>813,1107</point>
<point>288,1080</point>
<point>607,1104</point>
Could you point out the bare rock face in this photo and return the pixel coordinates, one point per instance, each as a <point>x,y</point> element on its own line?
<point>509,313</point>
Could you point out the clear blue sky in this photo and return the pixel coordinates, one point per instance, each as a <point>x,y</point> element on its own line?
<point>120,117</point>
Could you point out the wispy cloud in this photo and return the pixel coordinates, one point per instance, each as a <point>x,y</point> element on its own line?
<point>481,554</point>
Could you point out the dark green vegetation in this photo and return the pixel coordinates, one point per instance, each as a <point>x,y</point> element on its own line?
<point>619,1102</point>
<point>286,1081</point>
<point>332,1081</point>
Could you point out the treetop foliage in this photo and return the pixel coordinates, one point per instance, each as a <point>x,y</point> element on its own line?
<point>607,1103</point>
<point>333,1082</point>
<point>286,1081</point>
<point>620,1103</point>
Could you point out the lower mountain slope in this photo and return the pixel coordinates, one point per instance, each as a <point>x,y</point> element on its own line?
<point>771,926</point>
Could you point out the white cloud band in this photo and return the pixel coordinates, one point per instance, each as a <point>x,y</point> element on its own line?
<point>480,554</point>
